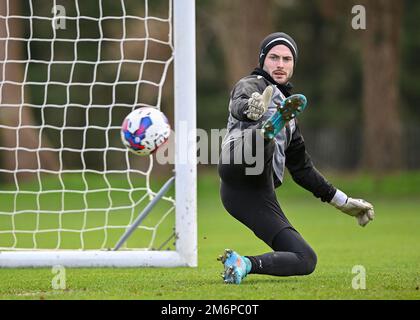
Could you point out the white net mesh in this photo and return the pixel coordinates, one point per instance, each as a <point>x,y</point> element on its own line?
<point>70,72</point>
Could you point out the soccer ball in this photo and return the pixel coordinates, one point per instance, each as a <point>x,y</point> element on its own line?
<point>144,130</point>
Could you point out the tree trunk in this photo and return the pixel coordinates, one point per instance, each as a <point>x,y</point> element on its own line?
<point>380,52</point>
<point>13,113</point>
<point>241,26</point>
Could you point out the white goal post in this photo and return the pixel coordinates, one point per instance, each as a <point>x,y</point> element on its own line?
<point>117,191</point>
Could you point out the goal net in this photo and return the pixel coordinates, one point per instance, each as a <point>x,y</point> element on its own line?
<point>70,193</point>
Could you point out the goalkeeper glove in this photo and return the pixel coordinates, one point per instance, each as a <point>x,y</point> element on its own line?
<point>359,208</point>
<point>258,104</point>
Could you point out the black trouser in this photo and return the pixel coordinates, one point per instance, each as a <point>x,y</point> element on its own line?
<point>252,200</point>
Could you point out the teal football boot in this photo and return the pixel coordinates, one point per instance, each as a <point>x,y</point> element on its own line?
<point>288,109</point>
<point>236,267</point>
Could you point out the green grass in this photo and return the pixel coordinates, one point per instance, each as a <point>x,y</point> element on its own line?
<point>388,248</point>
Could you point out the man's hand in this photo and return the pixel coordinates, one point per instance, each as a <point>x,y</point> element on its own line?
<point>359,208</point>
<point>258,104</point>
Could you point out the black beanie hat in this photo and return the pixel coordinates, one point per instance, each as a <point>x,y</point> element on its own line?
<point>275,39</point>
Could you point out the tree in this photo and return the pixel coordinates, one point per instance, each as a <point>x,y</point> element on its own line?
<point>240,28</point>
<point>380,55</point>
<point>13,112</point>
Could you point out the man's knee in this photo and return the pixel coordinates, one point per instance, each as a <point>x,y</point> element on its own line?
<point>310,259</point>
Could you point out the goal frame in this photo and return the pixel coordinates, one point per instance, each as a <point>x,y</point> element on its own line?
<point>185,175</point>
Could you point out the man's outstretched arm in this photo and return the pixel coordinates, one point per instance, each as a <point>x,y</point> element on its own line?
<point>300,166</point>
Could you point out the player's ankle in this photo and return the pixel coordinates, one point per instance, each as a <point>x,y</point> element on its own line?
<point>248,264</point>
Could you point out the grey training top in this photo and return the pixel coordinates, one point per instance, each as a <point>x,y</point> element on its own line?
<point>237,121</point>
<point>290,150</point>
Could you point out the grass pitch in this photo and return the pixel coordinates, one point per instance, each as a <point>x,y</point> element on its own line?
<point>388,249</point>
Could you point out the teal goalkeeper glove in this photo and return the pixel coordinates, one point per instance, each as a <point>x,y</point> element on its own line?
<point>359,208</point>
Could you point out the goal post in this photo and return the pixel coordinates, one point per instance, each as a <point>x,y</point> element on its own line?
<point>73,215</point>
<point>185,113</point>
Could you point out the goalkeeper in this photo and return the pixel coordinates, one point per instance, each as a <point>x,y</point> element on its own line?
<point>251,198</point>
